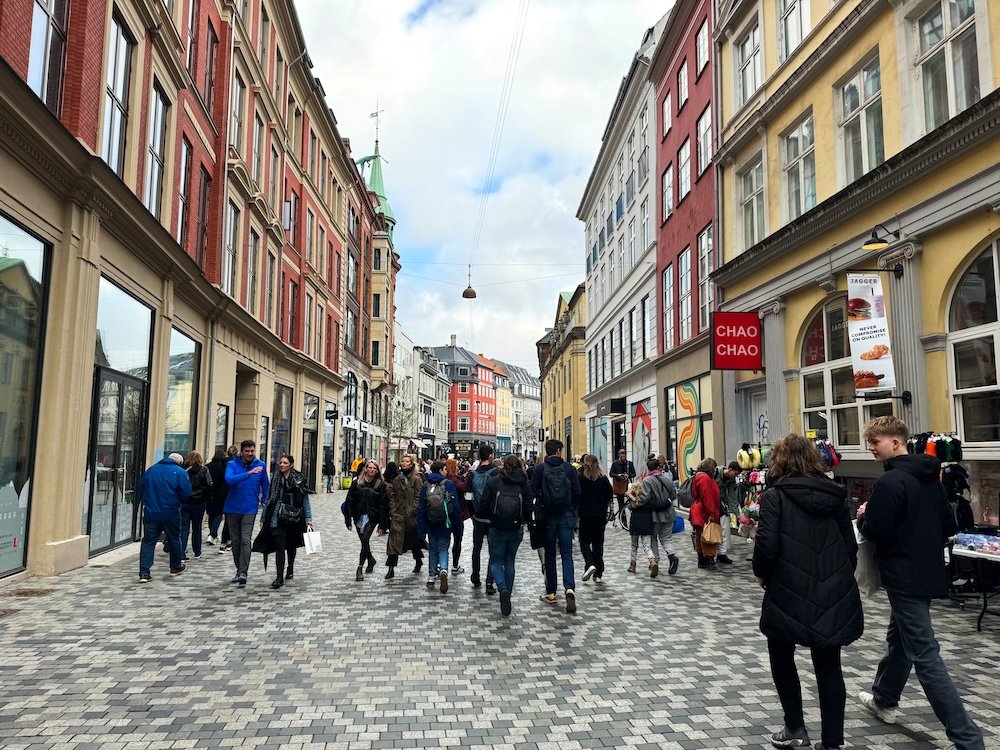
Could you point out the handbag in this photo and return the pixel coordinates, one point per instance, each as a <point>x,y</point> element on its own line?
<point>313,542</point>
<point>866,573</point>
<point>711,533</point>
<point>289,514</point>
<point>678,524</point>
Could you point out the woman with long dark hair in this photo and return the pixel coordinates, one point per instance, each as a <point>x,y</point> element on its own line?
<point>804,558</point>
<point>216,500</point>
<point>367,507</point>
<point>285,519</point>
<point>193,509</point>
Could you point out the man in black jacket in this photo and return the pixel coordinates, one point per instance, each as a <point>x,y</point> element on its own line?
<point>909,520</point>
<point>622,473</point>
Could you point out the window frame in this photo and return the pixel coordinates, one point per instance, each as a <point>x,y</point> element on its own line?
<point>701,48</point>
<point>752,63</point>
<point>117,93</point>
<point>684,170</point>
<point>685,313</point>
<point>945,46</point>
<point>156,149</point>
<point>786,10</point>
<point>704,135</point>
<point>667,192</point>
<point>669,330</point>
<point>683,84</point>
<point>706,289</point>
<point>803,158</point>
<point>860,115</point>
<point>47,64</point>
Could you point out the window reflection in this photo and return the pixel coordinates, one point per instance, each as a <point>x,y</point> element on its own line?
<point>182,393</point>
<point>124,326</point>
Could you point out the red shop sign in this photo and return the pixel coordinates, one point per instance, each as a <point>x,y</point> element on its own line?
<point>736,341</point>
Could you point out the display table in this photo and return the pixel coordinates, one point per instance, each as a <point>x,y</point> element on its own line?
<point>981,558</point>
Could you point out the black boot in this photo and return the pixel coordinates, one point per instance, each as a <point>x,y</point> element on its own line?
<point>419,565</point>
<point>702,561</point>
<point>391,573</point>
<point>277,583</point>
<point>360,575</point>
<point>290,574</point>
<point>371,565</point>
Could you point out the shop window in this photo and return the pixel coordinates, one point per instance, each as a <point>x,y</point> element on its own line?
<point>690,434</point>
<point>973,341</point>
<point>221,427</point>
<point>124,331</point>
<point>182,393</point>
<point>830,407</point>
<point>281,419</point>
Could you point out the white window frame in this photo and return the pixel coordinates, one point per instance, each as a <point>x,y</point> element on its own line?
<point>238,103</point>
<point>253,258</point>
<point>156,149</point>
<point>633,257</point>
<point>704,130</point>
<point>684,322</point>
<point>950,34</point>
<point>668,307</point>
<point>463,404</point>
<point>227,278</point>
<point>754,201</point>
<point>862,116</point>
<point>463,387</point>
<point>749,67</point>
<point>644,223</point>
<point>701,47</point>
<point>682,84</point>
<point>684,169</point>
<point>799,163</point>
<point>258,145</point>
<point>667,192</point>
<point>463,424</point>
<point>706,289</point>
<point>667,113</point>
<point>793,25</point>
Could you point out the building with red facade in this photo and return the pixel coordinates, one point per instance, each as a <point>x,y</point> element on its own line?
<point>472,398</point>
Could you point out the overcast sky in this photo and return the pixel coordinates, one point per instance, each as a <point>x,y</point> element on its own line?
<point>437,70</point>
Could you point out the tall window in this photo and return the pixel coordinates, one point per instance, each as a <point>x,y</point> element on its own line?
<point>156,150</point>
<point>705,139</point>
<point>377,261</point>
<point>337,274</point>
<point>352,274</point>
<point>682,84</point>
<point>752,199</point>
<point>973,341</point>
<point>748,62</point>
<point>184,191</point>
<point>463,424</point>
<point>632,256</point>
<point>351,331</point>
<point>253,259</point>
<point>684,301</point>
<point>376,305</point>
<point>274,180</point>
<point>212,47</point>
<point>701,45</point>
<point>293,217</point>
<point>279,80</point>
<point>192,39</point>
<point>621,259</point>
<point>667,114</point>
<point>272,271</point>
<point>647,323</point>
<point>120,48</point>
<point>238,103</point>
<point>643,164</point>
<point>667,192</point>
<point>861,121</point>
<point>307,338</point>
<point>376,353</point>
<point>800,168</point>
<point>293,313</point>
<point>310,237</point>
<point>644,219</point>
<point>684,169</point>
<point>48,47</point>
<point>668,308</point>
<point>201,230</point>
<point>258,147</point>
<point>949,61</point>
<point>635,334</point>
<point>264,40</point>
<point>706,289</point>
<point>793,25</point>
<point>228,279</point>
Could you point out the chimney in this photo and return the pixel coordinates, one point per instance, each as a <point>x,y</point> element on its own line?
<point>454,340</point>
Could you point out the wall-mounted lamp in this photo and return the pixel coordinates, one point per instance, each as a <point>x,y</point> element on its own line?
<point>876,243</point>
<point>469,292</point>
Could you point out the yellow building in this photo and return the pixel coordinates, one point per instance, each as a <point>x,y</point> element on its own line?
<point>562,362</point>
<point>505,409</point>
<point>839,121</point>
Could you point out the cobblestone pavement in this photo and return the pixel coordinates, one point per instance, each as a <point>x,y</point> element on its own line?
<point>327,662</point>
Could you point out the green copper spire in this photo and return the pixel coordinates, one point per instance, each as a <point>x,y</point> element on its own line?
<point>378,187</point>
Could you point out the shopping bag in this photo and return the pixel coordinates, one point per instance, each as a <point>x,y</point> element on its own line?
<point>313,542</point>
<point>678,524</point>
<point>712,533</point>
<point>867,574</point>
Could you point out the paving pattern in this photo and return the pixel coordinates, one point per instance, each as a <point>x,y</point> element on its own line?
<point>673,663</point>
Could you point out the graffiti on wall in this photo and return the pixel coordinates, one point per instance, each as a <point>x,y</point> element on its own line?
<point>642,431</point>
<point>599,440</point>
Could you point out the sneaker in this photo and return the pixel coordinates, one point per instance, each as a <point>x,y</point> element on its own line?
<point>724,559</point>
<point>223,549</point>
<point>674,562</point>
<point>589,573</point>
<point>457,570</point>
<point>505,603</point>
<point>430,583</point>
<point>198,556</point>
<point>570,601</point>
<point>211,541</point>
<point>242,581</point>
<point>787,738</point>
<point>145,578</point>
<point>885,715</point>
<point>235,578</point>
<point>490,589</point>
<point>187,557</point>
<point>654,568</point>
<point>548,598</point>
<point>178,571</point>
<point>443,578</point>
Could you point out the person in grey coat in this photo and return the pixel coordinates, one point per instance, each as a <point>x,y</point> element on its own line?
<point>660,497</point>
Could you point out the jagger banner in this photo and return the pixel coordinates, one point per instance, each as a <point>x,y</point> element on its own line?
<point>868,332</point>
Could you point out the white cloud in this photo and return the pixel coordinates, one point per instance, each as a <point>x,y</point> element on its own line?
<point>436,68</point>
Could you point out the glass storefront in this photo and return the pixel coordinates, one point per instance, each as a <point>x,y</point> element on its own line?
<point>310,430</point>
<point>22,303</point>
<point>182,394</point>
<point>221,427</point>
<point>281,421</point>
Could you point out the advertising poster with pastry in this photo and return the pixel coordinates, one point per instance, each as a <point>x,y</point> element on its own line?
<point>868,333</point>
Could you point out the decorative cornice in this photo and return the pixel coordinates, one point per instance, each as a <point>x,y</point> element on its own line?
<point>934,342</point>
<point>771,308</point>
<point>791,374</point>
<point>959,135</point>
<point>901,251</point>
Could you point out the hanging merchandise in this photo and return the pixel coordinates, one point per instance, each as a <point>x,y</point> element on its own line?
<point>868,333</point>
<point>945,445</point>
<point>748,457</point>
<point>827,453</point>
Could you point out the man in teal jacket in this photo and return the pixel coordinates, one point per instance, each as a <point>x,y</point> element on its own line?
<point>246,476</point>
<point>163,488</point>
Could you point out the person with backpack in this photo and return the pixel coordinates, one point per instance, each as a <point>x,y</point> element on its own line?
<point>480,526</point>
<point>438,513</point>
<point>705,508</point>
<point>659,496</point>
<point>732,493</point>
<point>507,507</point>
<point>557,486</point>
<point>462,485</point>
<point>193,509</point>
<point>367,505</point>
<point>596,496</point>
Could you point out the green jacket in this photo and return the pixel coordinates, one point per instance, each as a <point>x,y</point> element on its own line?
<point>732,494</point>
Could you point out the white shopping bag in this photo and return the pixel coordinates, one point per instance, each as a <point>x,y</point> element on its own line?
<point>867,573</point>
<point>313,542</point>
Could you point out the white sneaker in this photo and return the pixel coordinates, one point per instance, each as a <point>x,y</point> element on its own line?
<point>211,541</point>
<point>885,715</point>
<point>589,573</point>
<point>222,550</point>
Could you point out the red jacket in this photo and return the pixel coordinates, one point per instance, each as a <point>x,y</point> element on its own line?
<point>707,504</point>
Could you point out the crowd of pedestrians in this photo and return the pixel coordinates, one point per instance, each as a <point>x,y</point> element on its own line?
<point>804,556</point>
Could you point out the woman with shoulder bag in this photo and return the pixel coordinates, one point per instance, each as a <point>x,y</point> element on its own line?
<point>367,506</point>
<point>193,509</point>
<point>286,517</point>
<point>706,509</point>
<point>658,495</point>
<point>804,558</point>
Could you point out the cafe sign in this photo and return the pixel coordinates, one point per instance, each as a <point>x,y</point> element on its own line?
<point>736,341</point>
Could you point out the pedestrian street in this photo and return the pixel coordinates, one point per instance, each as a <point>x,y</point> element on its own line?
<point>95,660</point>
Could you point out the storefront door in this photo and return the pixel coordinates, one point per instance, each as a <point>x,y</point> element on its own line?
<point>308,461</point>
<point>118,429</point>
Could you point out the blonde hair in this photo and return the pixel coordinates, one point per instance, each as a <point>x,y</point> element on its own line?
<point>888,426</point>
<point>591,467</point>
<point>795,456</point>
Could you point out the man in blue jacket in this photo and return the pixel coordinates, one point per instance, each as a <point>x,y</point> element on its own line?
<point>163,488</point>
<point>246,476</point>
<point>557,486</point>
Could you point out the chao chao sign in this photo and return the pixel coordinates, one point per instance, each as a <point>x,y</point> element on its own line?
<point>736,341</point>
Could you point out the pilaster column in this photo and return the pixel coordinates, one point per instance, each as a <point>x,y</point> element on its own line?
<point>906,326</point>
<point>772,320</point>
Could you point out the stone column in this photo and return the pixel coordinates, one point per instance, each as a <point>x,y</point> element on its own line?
<point>906,327</point>
<point>772,317</point>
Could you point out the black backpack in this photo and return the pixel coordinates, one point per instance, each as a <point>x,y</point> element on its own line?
<point>508,507</point>
<point>437,506</point>
<point>659,501</point>
<point>555,489</point>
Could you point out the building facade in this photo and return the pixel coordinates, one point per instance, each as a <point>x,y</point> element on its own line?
<point>839,122</point>
<point>562,365</point>
<point>471,399</point>
<point>526,411</point>
<point>504,411</point>
<point>433,390</point>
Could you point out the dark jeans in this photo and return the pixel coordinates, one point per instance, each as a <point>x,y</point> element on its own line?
<point>365,535</point>
<point>151,530</point>
<point>240,527</point>
<point>592,543</point>
<point>479,531</point>
<point>911,645</point>
<point>456,545</point>
<point>503,552</point>
<point>829,684</point>
<point>214,523</point>
<point>192,516</point>
<point>280,551</point>
<point>559,531</point>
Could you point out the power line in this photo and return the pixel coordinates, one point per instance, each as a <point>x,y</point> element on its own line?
<point>481,265</point>
<point>490,283</point>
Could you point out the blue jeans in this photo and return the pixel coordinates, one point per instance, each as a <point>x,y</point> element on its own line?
<point>151,530</point>
<point>559,531</point>
<point>214,524</point>
<point>192,515</point>
<point>503,552</point>
<point>911,645</point>
<point>437,553</point>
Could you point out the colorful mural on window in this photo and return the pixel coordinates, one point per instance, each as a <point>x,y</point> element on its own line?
<point>599,440</point>
<point>689,423</point>
<point>642,431</point>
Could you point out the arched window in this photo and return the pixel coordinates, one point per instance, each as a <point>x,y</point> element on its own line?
<point>973,340</point>
<point>830,408</point>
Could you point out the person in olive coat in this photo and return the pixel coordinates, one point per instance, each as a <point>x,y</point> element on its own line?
<point>804,558</point>
<point>404,492</point>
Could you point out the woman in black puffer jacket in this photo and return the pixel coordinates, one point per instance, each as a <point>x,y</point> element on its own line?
<point>804,558</point>
<point>367,506</point>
